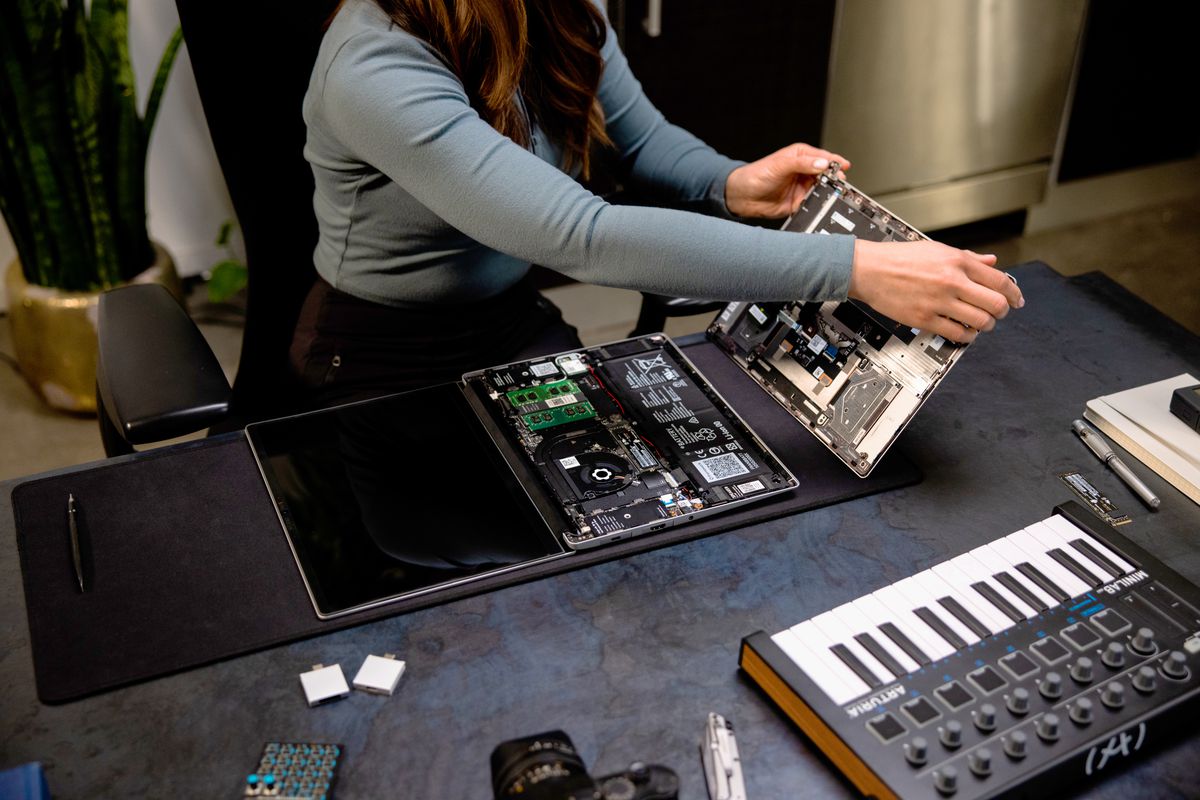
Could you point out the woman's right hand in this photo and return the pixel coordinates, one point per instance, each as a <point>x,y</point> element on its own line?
<point>933,287</point>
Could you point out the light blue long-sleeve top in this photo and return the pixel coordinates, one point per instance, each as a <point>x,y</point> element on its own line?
<point>419,200</point>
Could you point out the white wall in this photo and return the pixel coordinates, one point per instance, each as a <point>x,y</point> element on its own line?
<point>187,201</point>
<point>186,197</point>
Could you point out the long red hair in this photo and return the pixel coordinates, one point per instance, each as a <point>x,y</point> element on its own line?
<point>543,52</point>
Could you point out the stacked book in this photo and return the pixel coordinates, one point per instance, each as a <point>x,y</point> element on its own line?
<point>1140,421</point>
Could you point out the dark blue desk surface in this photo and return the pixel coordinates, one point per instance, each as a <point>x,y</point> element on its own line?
<point>629,656</point>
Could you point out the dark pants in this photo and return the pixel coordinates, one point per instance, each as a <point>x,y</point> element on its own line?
<point>348,349</point>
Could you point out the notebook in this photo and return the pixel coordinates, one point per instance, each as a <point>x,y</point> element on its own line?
<point>852,376</point>
<point>517,464</point>
<point>1140,420</point>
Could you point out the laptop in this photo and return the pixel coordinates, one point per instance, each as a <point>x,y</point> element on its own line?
<point>852,376</point>
<point>515,465</point>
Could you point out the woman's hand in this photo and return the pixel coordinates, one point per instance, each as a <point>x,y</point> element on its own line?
<point>775,186</point>
<point>933,287</point>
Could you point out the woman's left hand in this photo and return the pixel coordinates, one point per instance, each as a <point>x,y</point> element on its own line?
<point>775,186</point>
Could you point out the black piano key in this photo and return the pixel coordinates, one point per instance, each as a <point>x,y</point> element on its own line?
<point>997,599</point>
<point>940,628</point>
<point>965,617</point>
<point>1098,558</point>
<point>1019,589</point>
<point>905,644</point>
<point>859,668</point>
<point>1045,584</point>
<point>881,654</point>
<point>1074,567</point>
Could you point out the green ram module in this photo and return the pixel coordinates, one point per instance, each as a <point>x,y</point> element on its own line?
<point>541,394</point>
<point>558,416</point>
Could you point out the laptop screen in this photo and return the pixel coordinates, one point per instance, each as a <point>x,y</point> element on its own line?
<point>393,497</point>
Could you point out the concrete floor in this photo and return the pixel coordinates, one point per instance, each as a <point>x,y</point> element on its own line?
<point>1153,252</point>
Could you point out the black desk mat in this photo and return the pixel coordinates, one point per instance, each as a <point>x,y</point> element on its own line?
<point>186,562</point>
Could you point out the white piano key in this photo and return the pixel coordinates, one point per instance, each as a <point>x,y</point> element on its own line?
<point>830,682</point>
<point>855,623</point>
<point>1050,538</point>
<point>907,595</point>
<point>1104,570</point>
<point>831,625</point>
<point>886,605</point>
<point>951,572</point>
<point>1071,531</point>
<point>937,587</point>
<point>856,619</point>
<point>818,644</point>
<point>975,571</point>
<point>1046,565</point>
<point>1013,555</point>
<point>983,564</point>
<point>924,589</point>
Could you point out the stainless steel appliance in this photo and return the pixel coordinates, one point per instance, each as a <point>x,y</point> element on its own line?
<point>950,109</point>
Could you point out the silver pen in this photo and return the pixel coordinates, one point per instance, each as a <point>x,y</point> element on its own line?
<point>73,528</point>
<point>1095,442</point>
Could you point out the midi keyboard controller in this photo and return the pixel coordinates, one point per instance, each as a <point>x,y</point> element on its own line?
<point>1046,657</point>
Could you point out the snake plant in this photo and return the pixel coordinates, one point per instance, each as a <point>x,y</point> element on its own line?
<point>72,143</point>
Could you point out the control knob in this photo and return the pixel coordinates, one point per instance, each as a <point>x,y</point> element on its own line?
<point>985,718</point>
<point>917,751</point>
<point>1015,746</point>
<point>1018,701</point>
<point>1051,686</point>
<point>1113,695</point>
<point>946,780</point>
<point>1176,665</point>
<point>1082,670</point>
<point>1144,680</point>
<point>1047,727</point>
<point>1081,711</point>
<point>1114,655</point>
<point>980,762</point>
<point>1143,642</point>
<point>951,734</point>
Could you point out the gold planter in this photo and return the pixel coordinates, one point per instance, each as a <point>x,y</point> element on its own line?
<point>54,334</point>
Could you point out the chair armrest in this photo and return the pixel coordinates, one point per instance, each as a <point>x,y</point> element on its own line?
<point>156,377</point>
<point>657,308</point>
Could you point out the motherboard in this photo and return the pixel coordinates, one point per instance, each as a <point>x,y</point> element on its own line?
<point>627,438</point>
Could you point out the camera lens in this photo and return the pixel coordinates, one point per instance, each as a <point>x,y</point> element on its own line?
<point>541,767</point>
<point>618,788</point>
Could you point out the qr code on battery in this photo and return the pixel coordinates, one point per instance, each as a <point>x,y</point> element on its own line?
<point>722,467</point>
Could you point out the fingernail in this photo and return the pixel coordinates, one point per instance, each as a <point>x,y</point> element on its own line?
<point>820,163</point>
<point>1021,302</point>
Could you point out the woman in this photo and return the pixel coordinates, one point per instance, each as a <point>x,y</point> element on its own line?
<point>444,137</point>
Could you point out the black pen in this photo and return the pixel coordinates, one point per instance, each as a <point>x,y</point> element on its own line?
<point>73,526</point>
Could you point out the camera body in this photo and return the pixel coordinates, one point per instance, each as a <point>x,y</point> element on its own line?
<point>547,767</point>
<point>640,782</point>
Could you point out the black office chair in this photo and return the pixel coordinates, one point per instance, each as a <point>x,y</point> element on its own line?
<point>252,63</point>
<point>658,308</point>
